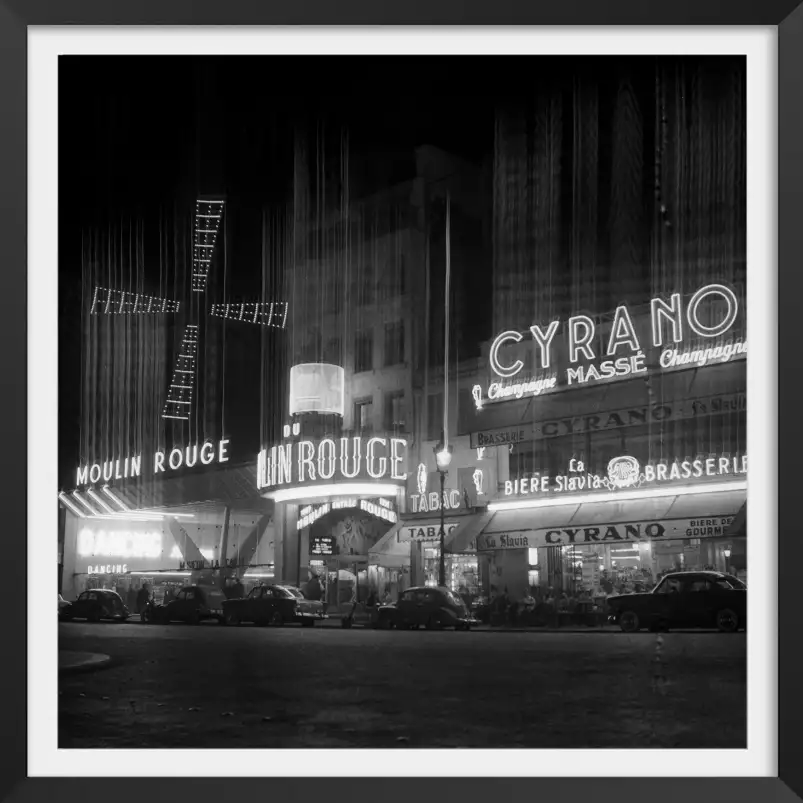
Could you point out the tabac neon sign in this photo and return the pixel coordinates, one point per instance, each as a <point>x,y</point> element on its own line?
<point>622,354</point>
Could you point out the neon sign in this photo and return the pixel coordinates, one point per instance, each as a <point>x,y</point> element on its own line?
<point>108,568</point>
<point>625,472</point>
<point>624,351</point>
<point>163,461</point>
<point>120,544</point>
<point>330,459</point>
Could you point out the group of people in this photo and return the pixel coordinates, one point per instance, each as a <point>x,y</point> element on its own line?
<point>538,606</point>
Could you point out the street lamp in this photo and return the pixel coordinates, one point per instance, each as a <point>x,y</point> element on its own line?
<point>443,456</point>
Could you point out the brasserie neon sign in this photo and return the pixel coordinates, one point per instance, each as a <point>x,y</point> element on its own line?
<point>624,353</point>
<point>625,472</point>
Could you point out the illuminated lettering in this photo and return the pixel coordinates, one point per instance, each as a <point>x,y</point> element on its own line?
<point>82,476</point>
<point>496,367</point>
<point>306,454</point>
<point>581,342</point>
<point>191,457</point>
<point>544,340</point>
<point>396,459</point>
<point>136,466</point>
<point>622,332</point>
<point>222,451</point>
<point>356,457</point>
<point>179,457</point>
<point>326,463</point>
<point>383,463</point>
<point>727,321</point>
<point>671,312</point>
<point>284,458</point>
<point>207,453</point>
<point>158,462</point>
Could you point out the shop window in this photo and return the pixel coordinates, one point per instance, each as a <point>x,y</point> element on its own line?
<point>363,415</point>
<point>363,351</point>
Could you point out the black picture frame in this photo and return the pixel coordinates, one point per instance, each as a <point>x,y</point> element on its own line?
<point>17,15</point>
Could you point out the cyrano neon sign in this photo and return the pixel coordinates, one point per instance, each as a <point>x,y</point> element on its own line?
<point>624,351</point>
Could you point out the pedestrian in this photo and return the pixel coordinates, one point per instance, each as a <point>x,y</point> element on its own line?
<point>143,597</point>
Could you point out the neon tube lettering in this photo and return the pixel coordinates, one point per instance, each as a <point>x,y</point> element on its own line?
<point>622,332</point>
<point>578,343</point>
<point>544,340</point>
<point>356,457</point>
<point>207,453</point>
<point>501,370</point>
<point>671,312</point>
<point>727,321</point>
<point>327,461</point>
<point>383,463</point>
<point>396,459</point>
<point>309,449</point>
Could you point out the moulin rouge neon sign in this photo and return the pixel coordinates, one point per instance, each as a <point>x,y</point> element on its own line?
<point>341,459</point>
<point>163,461</point>
<point>670,326</point>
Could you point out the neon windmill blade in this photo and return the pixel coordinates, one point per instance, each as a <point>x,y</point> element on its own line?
<point>208,215</point>
<point>179,403</point>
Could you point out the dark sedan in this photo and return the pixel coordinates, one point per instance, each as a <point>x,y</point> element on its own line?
<point>94,605</point>
<point>434,608</point>
<point>193,604</point>
<point>684,599</point>
<point>273,605</point>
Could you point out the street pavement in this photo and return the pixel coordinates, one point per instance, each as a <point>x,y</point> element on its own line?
<point>253,687</point>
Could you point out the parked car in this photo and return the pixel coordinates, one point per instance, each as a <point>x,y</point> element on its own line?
<point>62,603</point>
<point>193,604</point>
<point>434,608</point>
<point>273,605</point>
<point>684,599</point>
<point>94,605</point>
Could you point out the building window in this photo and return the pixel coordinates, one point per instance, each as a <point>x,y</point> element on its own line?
<point>434,416</point>
<point>394,411</point>
<point>394,343</point>
<point>364,351</point>
<point>365,288</point>
<point>363,415</point>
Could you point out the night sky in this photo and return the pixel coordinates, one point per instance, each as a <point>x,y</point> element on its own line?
<point>142,136</point>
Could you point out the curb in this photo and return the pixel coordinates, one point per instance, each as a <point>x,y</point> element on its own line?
<point>74,662</point>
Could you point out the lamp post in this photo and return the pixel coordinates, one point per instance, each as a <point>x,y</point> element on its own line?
<point>443,457</point>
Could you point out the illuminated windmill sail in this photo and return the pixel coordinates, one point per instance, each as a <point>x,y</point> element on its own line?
<point>208,215</point>
<point>269,313</point>
<point>179,395</point>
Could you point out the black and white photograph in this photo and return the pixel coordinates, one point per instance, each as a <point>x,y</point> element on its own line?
<point>402,402</point>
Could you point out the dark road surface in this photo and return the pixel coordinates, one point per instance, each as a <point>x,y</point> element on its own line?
<point>222,687</point>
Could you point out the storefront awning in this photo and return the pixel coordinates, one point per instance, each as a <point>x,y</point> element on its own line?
<point>588,513</point>
<point>463,539</point>
<point>738,526</point>
<point>388,550</point>
<point>461,532</point>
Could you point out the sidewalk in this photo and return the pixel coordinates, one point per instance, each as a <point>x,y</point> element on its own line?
<point>70,662</point>
<point>334,621</point>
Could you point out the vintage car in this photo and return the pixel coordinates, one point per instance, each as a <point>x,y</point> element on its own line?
<point>684,599</point>
<point>273,605</point>
<point>193,604</point>
<point>433,607</point>
<point>94,605</point>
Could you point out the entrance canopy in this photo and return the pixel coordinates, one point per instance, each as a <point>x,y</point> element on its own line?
<point>460,534</point>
